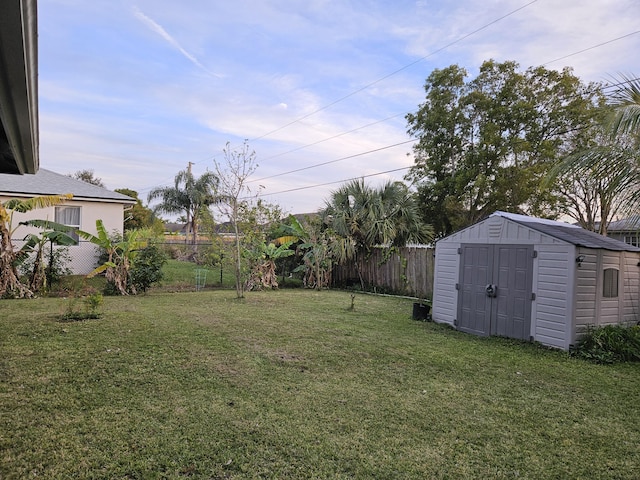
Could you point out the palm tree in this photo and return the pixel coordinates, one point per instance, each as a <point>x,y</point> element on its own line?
<point>189,195</point>
<point>626,107</point>
<point>617,156</point>
<point>362,217</point>
<point>624,125</point>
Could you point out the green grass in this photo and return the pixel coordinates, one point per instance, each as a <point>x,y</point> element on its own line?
<point>292,384</point>
<point>182,275</point>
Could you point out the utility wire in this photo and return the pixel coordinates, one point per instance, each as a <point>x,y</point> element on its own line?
<point>393,116</point>
<point>331,183</point>
<point>610,85</point>
<point>592,47</point>
<point>334,136</point>
<point>334,161</point>
<point>464,37</point>
<point>309,167</point>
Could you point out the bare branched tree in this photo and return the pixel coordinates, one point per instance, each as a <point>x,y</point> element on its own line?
<point>232,173</point>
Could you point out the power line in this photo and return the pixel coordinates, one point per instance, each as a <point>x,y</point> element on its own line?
<point>334,161</point>
<point>334,136</point>
<point>332,183</point>
<point>361,154</point>
<point>309,167</point>
<point>464,37</point>
<point>393,116</point>
<point>612,85</point>
<point>385,147</point>
<point>592,47</point>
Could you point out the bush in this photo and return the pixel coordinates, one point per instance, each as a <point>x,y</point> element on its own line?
<point>91,303</point>
<point>147,267</point>
<point>610,344</point>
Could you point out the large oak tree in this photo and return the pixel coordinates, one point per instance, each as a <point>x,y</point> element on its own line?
<point>488,143</point>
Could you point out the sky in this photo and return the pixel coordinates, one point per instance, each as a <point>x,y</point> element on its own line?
<point>136,90</point>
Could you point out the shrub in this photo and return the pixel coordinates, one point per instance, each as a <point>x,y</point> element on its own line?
<point>610,344</point>
<point>137,266</point>
<point>147,267</point>
<point>85,305</point>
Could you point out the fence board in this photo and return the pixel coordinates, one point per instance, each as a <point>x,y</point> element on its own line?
<point>405,271</point>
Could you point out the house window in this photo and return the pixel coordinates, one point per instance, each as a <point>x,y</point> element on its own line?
<point>632,240</point>
<point>69,216</point>
<point>610,284</point>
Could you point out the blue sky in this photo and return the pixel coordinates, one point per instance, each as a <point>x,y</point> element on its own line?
<point>134,90</point>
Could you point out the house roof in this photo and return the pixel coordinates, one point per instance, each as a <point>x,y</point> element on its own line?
<point>631,224</point>
<point>46,182</point>
<point>175,227</point>
<point>569,233</point>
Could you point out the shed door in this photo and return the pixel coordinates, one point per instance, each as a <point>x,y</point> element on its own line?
<point>509,270</point>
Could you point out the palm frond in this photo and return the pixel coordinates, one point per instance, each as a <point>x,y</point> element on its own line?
<point>626,107</point>
<point>34,203</point>
<point>48,225</point>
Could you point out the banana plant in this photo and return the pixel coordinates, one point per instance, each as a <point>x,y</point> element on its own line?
<point>120,256</point>
<point>315,244</point>
<point>10,284</point>
<point>263,273</point>
<point>54,234</point>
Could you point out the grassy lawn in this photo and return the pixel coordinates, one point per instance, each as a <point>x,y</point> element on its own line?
<point>181,276</point>
<point>293,384</point>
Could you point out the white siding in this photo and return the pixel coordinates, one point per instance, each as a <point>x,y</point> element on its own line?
<point>83,256</point>
<point>610,309</point>
<point>552,283</point>
<point>630,287</point>
<point>500,230</point>
<point>445,295</point>
<point>587,292</point>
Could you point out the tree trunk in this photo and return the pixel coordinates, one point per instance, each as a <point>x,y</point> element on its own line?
<point>238,267</point>
<point>37,280</point>
<point>10,284</point>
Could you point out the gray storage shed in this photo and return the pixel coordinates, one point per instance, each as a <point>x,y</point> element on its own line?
<point>534,279</point>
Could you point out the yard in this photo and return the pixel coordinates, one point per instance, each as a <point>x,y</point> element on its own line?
<point>294,384</point>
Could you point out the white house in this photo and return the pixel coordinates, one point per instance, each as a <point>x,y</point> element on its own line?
<point>89,203</point>
<point>534,279</point>
<point>626,230</point>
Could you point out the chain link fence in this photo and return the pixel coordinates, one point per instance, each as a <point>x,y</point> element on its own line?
<point>83,258</point>
<point>408,271</point>
<point>80,259</point>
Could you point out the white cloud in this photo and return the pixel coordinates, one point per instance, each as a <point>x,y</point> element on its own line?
<point>115,99</point>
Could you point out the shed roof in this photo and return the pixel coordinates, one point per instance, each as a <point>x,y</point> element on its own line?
<point>569,233</point>
<point>46,182</point>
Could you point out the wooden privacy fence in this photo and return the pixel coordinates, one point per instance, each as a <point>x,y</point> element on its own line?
<point>404,271</point>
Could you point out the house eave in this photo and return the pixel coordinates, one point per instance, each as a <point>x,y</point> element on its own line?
<point>76,198</point>
<point>19,142</point>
